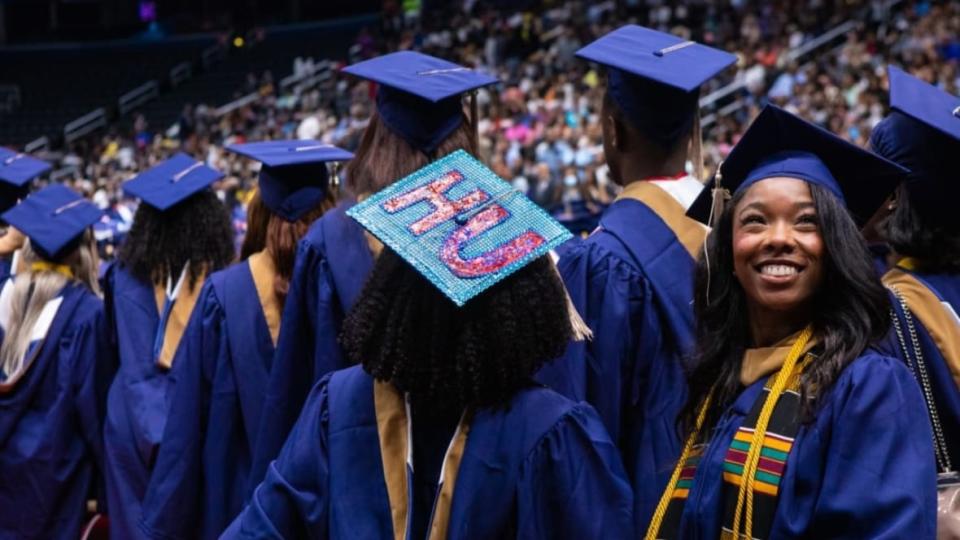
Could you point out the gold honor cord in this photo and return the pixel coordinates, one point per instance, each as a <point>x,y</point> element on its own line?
<point>760,433</point>
<point>661,510</point>
<point>44,266</point>
<point>751,464</point>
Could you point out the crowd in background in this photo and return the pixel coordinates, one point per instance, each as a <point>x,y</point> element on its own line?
<point>540,127</point>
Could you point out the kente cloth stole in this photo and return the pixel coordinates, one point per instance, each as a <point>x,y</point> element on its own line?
<point>781,431</point>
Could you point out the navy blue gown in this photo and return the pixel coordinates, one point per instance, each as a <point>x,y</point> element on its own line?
<point>632,280</point>
<point>542,468</point>
<point>200,481</point>
<point>333,261</point>
<point>51,417</point>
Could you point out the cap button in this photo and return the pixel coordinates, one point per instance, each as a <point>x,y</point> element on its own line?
<point>658,52</point>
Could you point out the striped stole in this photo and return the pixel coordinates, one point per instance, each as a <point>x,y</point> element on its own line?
<point>781,432</point>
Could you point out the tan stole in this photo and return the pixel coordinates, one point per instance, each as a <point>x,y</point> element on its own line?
<point>761,361</point>
<point>264,273</point>
<point>689,232</point>
<point>179,317</point>
<point>925,305</point>
<point>396,450</point>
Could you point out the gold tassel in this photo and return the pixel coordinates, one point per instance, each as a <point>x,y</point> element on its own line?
<point>696,149</point>
<point>335,180</point>
<point>720,195</point>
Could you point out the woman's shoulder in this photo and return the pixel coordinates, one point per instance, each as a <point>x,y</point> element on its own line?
<point>88,307</point>
<point>331,227</point>
<point>541,413</point>
<point>874,364</point>
<point>877,382</point>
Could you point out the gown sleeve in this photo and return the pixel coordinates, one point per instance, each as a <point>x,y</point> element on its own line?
<point>293,499</point>
<point>873,457</point>
<point>173,503</point>
<point>306,350</point>
<point>94,364</point>
<point>611,298</point>
<point>573,484</point>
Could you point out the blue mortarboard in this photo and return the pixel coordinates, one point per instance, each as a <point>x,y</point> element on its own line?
<point>171,181</point>
<point>459,225</point>
<point>294,175</point>
<point>16,171</point>
<point>54,219</point>
<point>654,78</point>
<point>922,133</point>
<point>419,95</point>
<point>779,144</point>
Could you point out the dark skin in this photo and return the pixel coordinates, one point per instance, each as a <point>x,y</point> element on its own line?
<point>778,256</point>
<point>631,156</point>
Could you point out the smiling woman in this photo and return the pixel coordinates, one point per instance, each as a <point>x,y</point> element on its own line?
<point>794,423</point>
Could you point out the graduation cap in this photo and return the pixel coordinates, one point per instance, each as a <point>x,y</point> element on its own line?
<point>779,144</point>
<point>294,176</point>
<point>654,78</point>
<point>16,172</point>
<point>171,181</point>
<point>460,225</point>
<point>921,133</point>
<point>419,95</point>
<point>54,219</point>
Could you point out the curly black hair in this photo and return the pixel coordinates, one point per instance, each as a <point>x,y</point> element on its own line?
<point>403,330</point>
<point>934,243</point>
<point>197,229</point>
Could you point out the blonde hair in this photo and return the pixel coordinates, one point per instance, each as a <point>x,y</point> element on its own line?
<point>34,288</point>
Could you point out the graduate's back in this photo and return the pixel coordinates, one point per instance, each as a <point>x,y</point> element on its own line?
<point>55,364</point>
<point>419,117</point>
<point>923,231</point>
<point>440,431</point>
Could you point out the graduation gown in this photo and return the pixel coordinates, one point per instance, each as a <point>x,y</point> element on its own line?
<point>50,424</point>
<point>6,266</point>
<point>863,468</point>
<point>137,401</point>
<point>199,483</point>
<point>333,261</point>
<point>934,301</point>
<point>632,280</point>
<point>542,468</point>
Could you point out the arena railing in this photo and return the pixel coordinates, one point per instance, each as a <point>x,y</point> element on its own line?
<point>180,73</point>
<point>296,84</point>
<point>138,96</point>
<point>212,55</point>
<point>40,144</point>
<point>87,123</point>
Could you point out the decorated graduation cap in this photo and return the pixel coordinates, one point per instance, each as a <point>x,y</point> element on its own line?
<point>294,176</point>
<point>54,219</point>
<point>922,133</point>
<point>171,181</point>
<point>779,144</point>
<point>16,172</point>
<point>460,225</point>
<point>419,95</point>
<point>654,78</point>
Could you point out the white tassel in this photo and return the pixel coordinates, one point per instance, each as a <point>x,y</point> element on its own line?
<point>581,332</point>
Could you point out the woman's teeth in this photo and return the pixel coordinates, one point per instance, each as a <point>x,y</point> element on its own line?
<point>778,270</point>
